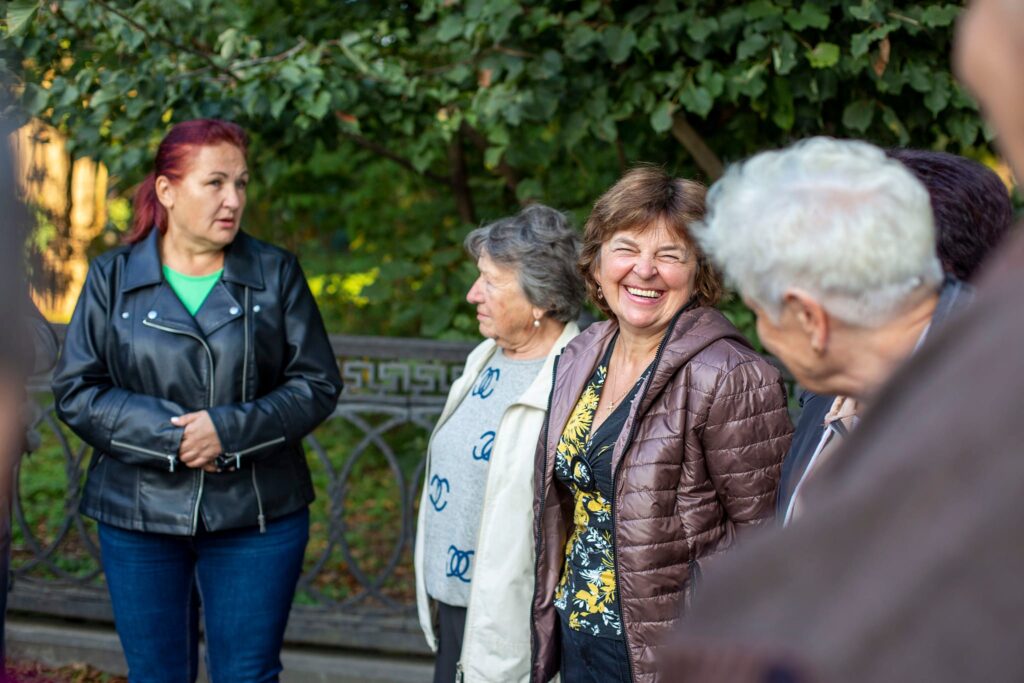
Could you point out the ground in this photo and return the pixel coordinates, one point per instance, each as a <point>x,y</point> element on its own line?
<point>30,672</point>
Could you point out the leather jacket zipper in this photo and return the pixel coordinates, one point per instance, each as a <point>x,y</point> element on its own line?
<point>260,518</point>
<point>209,404</point>
<point>237,455</point>
<point>171,459</point>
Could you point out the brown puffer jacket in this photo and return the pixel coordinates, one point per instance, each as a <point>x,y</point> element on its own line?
<point>698,459</point>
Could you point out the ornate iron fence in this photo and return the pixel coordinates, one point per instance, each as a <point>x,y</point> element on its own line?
<point>367,460</point>
<point>357,587</point>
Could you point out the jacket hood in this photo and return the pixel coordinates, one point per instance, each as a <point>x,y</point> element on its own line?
<point>689,333</point>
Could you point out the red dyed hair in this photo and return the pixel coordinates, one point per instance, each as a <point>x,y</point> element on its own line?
<point>173,159</point>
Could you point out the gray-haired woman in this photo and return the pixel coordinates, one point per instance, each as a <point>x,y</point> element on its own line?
<point>474,546</point>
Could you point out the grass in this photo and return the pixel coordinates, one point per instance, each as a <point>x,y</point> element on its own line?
<point>366,507</point>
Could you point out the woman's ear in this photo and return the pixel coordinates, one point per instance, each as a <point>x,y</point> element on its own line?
<point>164,191</point>
<point>812,318</point>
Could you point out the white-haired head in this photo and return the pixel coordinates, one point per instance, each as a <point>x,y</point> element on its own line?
<point>834,218</point>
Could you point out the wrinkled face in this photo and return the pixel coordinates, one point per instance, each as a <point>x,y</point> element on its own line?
<point>205,207</point>
<point>790,341</point>
<point>502,309</point>
<point>646,276</point>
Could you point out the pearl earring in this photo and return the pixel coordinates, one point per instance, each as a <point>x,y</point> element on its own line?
<point>536,322</point>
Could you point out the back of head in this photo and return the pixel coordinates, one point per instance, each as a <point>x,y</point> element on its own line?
<point>972,207</point>
<point>173,160</point>
<point>834,218</point>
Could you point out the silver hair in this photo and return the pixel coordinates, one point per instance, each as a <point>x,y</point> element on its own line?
<point>835,218</point>
<point>542,247</point>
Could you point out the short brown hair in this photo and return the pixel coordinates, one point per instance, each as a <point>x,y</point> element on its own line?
<point>641,199</point>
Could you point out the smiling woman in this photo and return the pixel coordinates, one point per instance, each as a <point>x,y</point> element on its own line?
<point>194,364</point>
<point>664,438</point>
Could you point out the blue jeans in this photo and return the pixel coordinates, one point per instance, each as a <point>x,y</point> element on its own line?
<point>590,659</point>
<point>244,580</point>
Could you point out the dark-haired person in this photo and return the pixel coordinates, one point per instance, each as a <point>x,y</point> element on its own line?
<point>972,207</point>
<point>973,213</point>
<point>662,447</point>
<point>194,364</point>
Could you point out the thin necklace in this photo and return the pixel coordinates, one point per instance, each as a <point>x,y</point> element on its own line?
<point>610,406</point>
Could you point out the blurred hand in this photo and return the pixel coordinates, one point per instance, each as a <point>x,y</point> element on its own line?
<point>987,56</point>
<point>200,444</point>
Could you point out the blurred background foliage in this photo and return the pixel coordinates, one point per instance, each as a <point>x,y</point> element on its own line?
<point>383,131</point>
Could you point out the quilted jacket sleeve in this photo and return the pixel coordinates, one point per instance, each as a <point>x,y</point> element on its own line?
<point>747,434</point>
<point>308,391</point>
<point>134,428</point>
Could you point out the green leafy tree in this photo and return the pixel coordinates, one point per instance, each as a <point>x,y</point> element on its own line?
<point>384,130</point>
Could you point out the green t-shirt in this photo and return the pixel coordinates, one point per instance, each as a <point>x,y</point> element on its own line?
<point>190,289</point>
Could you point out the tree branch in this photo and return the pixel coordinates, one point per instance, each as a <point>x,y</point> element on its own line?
<point>706,159</point>
<point>167,41</point>
<point>460,180</point>
<point>381,150</point>
<point>503,168</point>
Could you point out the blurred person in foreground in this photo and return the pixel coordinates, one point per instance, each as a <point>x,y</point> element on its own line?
<point>912,572</point>
<point>662,449</point>
<point>26,349</point>
<point>194,364</point>
<point>474,546</point>
<point>972,212</point>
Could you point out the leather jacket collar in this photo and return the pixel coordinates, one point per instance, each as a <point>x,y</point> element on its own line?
<point>143,269</point>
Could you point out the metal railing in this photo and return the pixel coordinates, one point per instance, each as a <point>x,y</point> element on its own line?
<point>367,460</point>
<point>357,587</point>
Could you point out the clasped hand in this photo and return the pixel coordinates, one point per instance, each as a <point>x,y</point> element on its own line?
<point>200,444</point>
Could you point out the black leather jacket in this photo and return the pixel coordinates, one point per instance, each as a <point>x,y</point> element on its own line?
<point>256,356</point>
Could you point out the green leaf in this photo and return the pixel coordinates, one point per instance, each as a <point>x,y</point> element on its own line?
<point>278,104</point>
<point>661,117</point>
<point>291,75</point>
<point>937,99</point>
<point>861,42</point>
<point>940,15</point>
<point>529,188</point>
<point>893,123</point>
<point>580,37</point>
<point>866,11</point>
<point>752,44</point>
<point>696,99</point>
<point>701,27</point>
<point>320,105</point>
<point>858,115</point>
<point>492,157</point>
<point>68,96</point>
<point>761,9</point>
<point>808,15</point>
<point>783,112</point>
<point>619,42</point>
<point>19,14</point>
<point>964,129</point>
<point>784,54</point>
<point>919,76</point>
<point>450,28</point>
<point>824,55</point>
<point>35,98</point>
<point>102,96</point>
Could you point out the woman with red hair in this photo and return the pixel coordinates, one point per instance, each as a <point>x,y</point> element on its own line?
<point>194,364</point>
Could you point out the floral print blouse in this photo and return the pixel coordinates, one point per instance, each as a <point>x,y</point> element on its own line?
<point>586,595</point>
